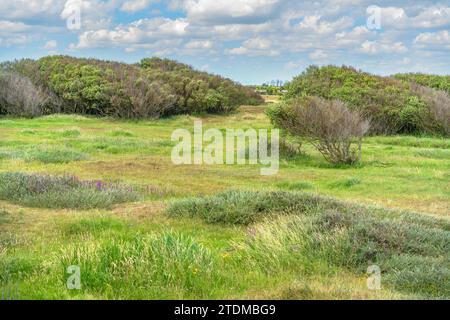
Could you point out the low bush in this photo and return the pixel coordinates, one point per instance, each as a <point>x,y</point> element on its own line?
<point>305,233</point>
<point>44,191</point>
<point>329,126</point>
<point>413,258</point>
<point>241,207</point>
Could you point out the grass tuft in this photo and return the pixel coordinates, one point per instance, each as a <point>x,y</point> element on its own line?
<point>168,263</point>
<point>56,155</point>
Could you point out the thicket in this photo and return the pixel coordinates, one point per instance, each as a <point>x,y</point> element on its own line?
<point>393,106</point>
<point>152,88</point>
<point>428,80</point>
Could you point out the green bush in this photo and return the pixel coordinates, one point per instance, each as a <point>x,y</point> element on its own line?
<point>329,125</point>
<point>428,80</point>
<point>152,88</point>
<point>391,105</point>
<point>43,191</point>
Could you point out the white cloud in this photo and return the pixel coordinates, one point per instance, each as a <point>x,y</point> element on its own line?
<point>376,47</point>
<point>255,47</point>
<point>51,45</point>
<point>12,27</point>
<point>134,33</point>
<point>318,56</point>
<point>199,44</point>
<point>316,24</point>
<point>430,17</point>
<point>433,39</point>
<point>135,5</point>
<point>24,9</point>
<point>220,12</point>
<point>95,14</point>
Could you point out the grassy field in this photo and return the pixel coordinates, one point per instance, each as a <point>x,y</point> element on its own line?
<point>160,245</point>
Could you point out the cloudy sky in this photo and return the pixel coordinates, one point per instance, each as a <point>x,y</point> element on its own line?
<point>251,41</point>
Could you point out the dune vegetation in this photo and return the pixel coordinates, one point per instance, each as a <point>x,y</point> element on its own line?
<point>140,227</point>
<point>87,181</point>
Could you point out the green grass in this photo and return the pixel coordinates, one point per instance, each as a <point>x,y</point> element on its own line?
<point>259,242</point>
<point>55,155</point>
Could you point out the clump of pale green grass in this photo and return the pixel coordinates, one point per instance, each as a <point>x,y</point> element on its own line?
<point>55,155</point>
<point>168,263</point>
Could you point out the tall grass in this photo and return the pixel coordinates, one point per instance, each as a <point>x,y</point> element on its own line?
<point>165,264</point>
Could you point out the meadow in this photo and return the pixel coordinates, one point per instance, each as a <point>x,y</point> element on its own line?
<point>153,230</point>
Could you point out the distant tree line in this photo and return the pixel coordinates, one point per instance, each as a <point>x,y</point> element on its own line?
<point>152,88</point>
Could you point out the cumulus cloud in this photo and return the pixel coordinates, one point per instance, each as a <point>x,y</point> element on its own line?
<point>228,12</point>
<point>318,56</point>
<point>255,47</point>
<point>135,5</point>
<point>433,39</point>
<point>134,33</point>
<point>199,44</point>
<point>376,47</point>
<point>51,45</point>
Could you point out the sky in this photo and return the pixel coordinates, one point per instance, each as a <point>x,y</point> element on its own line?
<point>250,41</point>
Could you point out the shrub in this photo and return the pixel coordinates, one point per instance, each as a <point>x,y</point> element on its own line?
<point>44,191</point>
<point>389,103</point>
<point>328,125</point>
<point>20,97</point>
<point>437,118</point>
<point>441,83</point>
<point>241,207</point>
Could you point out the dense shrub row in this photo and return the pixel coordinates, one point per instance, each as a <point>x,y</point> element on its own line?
<point>152,88</point>
<point>392,105</point>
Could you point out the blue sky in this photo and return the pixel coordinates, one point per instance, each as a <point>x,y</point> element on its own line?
<point>251,41</point>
